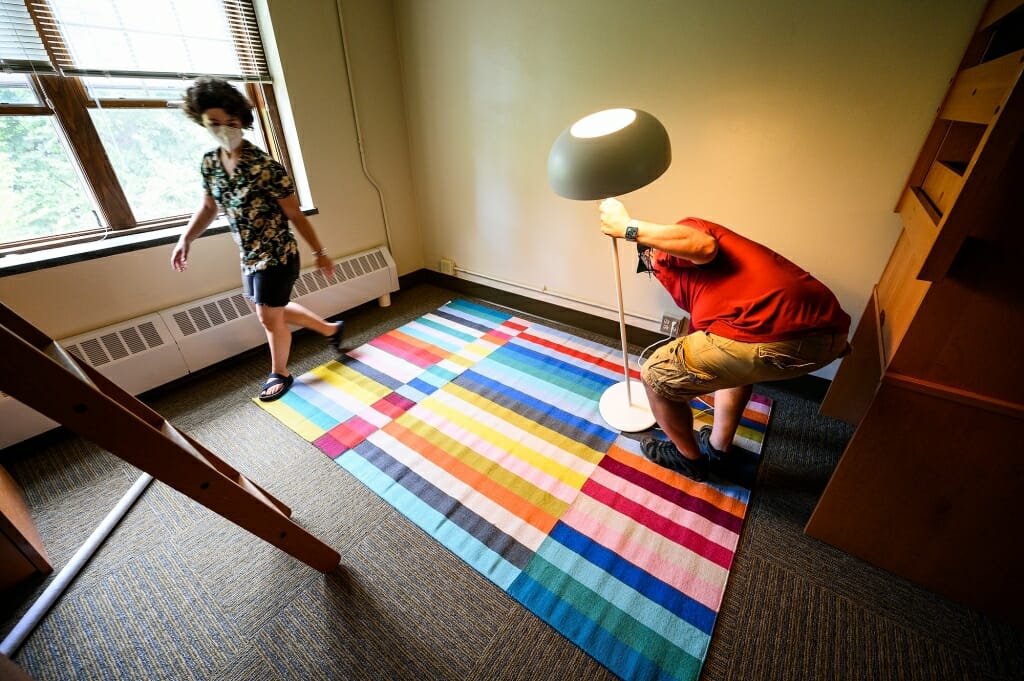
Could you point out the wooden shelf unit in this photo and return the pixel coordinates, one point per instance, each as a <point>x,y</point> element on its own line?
<point>931,481</point>
<point>22,554</point>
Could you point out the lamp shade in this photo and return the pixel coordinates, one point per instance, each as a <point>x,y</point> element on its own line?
<point>608,153</point>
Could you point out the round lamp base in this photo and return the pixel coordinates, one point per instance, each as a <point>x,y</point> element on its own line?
<point>621,414</point>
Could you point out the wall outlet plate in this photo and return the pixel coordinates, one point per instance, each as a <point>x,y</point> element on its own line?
<point>674,327</point>
<point>669,325</point>
<point>447,266</point>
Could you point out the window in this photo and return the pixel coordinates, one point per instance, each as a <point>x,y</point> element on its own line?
<point>41,189</point>
<point>91,136</point>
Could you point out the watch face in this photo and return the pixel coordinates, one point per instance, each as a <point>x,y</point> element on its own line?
<point>631,231</point>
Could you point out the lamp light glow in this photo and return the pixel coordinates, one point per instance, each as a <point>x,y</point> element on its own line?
<point>603,155</point>
<point>602,123</point>
<point>612,161</point>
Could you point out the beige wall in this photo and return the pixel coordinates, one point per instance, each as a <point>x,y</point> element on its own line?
<point>71,299</point>
<point>793,122</point>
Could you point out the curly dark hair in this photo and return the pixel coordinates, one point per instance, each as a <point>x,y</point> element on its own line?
<point>214,93</point>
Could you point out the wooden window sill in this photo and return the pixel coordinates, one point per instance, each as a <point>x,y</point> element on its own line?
<point>112,244</point>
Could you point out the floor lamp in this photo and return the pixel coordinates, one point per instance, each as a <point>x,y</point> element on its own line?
<point>607,154</point>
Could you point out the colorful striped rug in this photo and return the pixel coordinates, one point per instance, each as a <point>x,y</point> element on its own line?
<point>483,429</point>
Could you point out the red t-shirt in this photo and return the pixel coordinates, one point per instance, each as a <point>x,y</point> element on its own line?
<point>748,292</point>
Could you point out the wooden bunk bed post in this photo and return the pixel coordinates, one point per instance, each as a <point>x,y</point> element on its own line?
<point>38,372</point>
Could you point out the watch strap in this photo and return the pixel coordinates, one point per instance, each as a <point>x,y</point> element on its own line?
<point>632,230</point>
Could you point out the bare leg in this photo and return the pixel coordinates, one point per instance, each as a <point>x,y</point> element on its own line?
<point>275,321</point>
<point>676,419</point>
<point>729,406</point>
<point>297,315</point>
<point>279,338</point>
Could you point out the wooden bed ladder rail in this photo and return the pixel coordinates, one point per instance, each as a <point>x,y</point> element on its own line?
<point>37,371</point>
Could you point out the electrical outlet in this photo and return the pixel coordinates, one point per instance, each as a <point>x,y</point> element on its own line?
<point>674,327</point>
<point>447,266</point>
<point>669,325</point>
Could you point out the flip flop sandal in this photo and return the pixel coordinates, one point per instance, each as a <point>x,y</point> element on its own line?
<point>272,381</point>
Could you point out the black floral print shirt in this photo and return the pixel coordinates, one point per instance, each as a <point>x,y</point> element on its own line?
<point>249,199</point>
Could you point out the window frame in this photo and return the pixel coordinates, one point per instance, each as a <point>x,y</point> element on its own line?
<point>64,96</point>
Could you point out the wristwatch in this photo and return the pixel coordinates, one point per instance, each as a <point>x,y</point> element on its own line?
<point>631,231</point>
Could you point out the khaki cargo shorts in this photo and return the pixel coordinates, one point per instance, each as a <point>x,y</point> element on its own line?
<point>702,362</point>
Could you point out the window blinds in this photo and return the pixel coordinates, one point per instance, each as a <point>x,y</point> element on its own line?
<point>21,51</point>
<point>181,39</point>
<point>245,32</point>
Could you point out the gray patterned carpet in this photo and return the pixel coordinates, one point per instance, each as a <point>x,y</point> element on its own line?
<point>179,593</point>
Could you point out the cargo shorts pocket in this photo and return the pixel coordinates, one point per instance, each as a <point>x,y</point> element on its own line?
<point>669,374</point>
<point>693,374</point>
<point>782,361</point>
<point>691,354</point>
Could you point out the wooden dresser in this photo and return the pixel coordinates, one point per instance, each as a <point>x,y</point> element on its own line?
<point>22,554</point>
<point>931,484</point>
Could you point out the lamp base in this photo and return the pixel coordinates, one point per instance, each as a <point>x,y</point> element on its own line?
<point>621,414</point>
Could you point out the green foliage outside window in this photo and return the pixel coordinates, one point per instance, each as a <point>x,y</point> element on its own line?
<point>156,154</point>
<point>16,92</point>
<point>121,65</point>
<point>40,190</point>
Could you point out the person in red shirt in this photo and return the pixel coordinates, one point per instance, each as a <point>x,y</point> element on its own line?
<point>754,316</point>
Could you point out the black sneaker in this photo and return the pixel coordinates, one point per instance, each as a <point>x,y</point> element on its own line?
<point>735,465</point>
<point>664,453</point>
<point>706,448</point>
<point>335,339</point>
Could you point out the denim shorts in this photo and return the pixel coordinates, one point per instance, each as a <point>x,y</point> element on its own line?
<point>271,286</point>
<point>702,362</point>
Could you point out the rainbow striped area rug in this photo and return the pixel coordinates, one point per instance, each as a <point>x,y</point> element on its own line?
<point>483,429</point>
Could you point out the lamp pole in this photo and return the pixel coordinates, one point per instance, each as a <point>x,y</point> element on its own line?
<point>609,153</point>
<point>617,406</point>
<point>622,318</point>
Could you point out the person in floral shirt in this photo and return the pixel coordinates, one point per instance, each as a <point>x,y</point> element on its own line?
<point>258,197</point>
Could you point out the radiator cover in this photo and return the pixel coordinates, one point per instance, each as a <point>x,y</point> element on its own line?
<point>149,351</point>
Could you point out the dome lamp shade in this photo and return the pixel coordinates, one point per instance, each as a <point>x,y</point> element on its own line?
<point>608,153</point>
<point>600,156</point>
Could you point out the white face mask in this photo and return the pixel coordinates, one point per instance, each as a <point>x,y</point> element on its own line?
<point>227,137</point>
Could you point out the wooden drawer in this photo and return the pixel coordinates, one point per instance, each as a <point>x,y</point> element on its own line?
<point>921,225</point>
<point>977,93</point>
<point>900,498</point>
<point>900,293</point>
<point>856,381</point>
<point>942,185</point>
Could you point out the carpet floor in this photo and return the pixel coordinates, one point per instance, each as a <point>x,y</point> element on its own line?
<point>484,429</point>
<point>179,593</point>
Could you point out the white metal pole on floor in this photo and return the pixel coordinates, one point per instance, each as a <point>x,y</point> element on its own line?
<point>622,320</point>
<point>619,407</point>
<point>52,592</point>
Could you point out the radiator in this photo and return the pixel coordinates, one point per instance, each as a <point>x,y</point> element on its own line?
<point>150,351</point>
